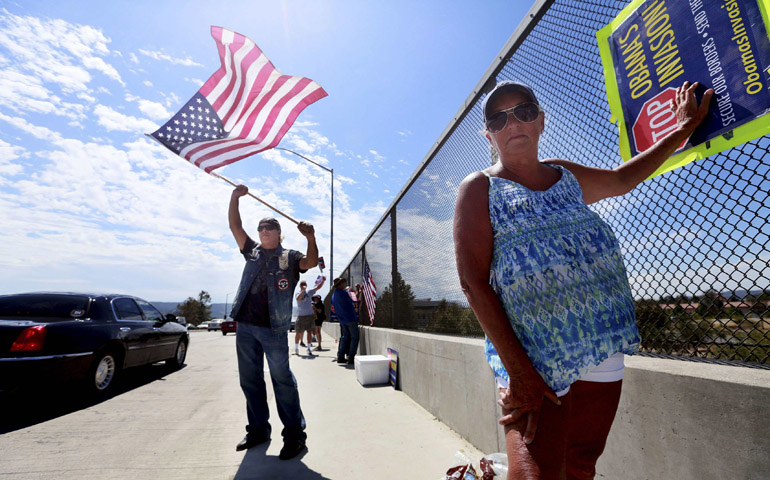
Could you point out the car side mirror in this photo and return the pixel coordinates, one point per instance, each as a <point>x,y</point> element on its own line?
<point>170,317</point>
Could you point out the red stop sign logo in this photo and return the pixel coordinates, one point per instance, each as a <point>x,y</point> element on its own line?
<point>655,121</point>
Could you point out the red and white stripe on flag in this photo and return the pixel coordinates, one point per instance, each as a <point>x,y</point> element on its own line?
<point>370,292</point>
<point>246,107</point>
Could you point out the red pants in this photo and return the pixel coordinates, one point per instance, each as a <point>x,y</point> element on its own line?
<point>569,438</point>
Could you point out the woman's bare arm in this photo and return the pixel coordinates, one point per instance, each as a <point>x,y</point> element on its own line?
<point>599,183</point>
<point>473,240</point>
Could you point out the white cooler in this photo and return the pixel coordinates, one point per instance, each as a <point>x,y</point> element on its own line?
<point>372,369</point>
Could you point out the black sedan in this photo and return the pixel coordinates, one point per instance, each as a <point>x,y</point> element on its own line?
<point>52,337</point>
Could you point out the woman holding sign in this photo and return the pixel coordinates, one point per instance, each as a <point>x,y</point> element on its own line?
<point>545,278</point>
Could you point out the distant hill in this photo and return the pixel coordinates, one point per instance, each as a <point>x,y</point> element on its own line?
<point>217,309</point>
<point>740,293</point>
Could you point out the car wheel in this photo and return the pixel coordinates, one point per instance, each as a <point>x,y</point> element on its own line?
<point>103,371</point>
<point>181,353</point>
<point>224,333</point>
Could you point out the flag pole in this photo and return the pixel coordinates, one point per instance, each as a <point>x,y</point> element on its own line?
<point>232,183</point>
<point>253,196</point>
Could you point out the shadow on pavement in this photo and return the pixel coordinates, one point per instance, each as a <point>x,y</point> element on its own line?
<point>257,464</point>
<point>30,406</point>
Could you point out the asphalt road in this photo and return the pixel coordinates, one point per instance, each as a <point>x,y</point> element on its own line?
<point>184,424</point>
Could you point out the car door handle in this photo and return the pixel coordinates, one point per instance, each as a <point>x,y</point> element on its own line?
<point>125,329</point>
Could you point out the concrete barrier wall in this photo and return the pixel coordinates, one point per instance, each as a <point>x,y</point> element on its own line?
<point>676,420</point>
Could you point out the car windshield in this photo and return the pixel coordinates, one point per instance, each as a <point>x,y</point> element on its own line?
<point>50,306</point>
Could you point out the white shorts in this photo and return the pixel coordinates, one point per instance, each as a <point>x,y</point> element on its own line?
<point>610,370</point>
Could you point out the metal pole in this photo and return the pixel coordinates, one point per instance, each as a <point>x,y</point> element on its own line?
<point>214,174</point>
<point>394,266</point>
<point>331,247</point>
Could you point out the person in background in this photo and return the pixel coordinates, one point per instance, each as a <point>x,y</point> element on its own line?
<point>359,297</point>
<point>348,318</point>
<point>353,296</point>
<point>262,308</point>
<point>305,315</point>
<point>545,277</point>
<point>320,316</point>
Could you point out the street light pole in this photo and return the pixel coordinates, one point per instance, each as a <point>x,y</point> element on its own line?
<point>226,297</point>
<point>330,170</point>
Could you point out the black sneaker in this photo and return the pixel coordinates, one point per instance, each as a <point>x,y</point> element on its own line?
<point>291,448</point>
<point>341,360</point>
<point>251,441</point>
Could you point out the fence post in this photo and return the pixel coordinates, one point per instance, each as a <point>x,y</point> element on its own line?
<point>394,264</point>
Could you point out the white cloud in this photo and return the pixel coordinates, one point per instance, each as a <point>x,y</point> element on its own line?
<point>56,51</point>
<point>156,55</point>
<point>154,110</point>
<point>36,131</point>
<point>113,120</point>
<point>96,63</point>
<point>172,100</point>
<point>86,97</point>
<point>25,93</point>
<point>197,81</point>
<point>8,153</point>
<point>133,57</point>
<point>147,83</point>
<point>302,145</point>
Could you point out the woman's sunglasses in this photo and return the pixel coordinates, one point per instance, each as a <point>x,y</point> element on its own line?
<point>523,112</point>
<point>266,227</point>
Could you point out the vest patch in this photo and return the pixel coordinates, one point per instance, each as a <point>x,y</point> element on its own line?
<point>282,284</point>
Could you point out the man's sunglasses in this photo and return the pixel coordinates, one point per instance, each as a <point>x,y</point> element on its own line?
<point>267,226</point>
<point>523,112</point>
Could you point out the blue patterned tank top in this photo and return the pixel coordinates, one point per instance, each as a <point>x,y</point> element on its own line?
<point>559,274</point>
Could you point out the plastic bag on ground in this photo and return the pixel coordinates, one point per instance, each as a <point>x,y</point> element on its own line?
<point>490,467</point>
<point>494,466</point>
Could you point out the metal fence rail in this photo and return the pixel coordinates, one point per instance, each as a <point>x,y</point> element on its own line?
<point>695,240</point>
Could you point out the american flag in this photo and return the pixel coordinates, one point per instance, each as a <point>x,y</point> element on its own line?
<point>246,107</point>
<point>370,292</point>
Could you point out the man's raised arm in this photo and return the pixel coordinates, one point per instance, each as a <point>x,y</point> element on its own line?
<point>310,260</point>
<point>234,215</point>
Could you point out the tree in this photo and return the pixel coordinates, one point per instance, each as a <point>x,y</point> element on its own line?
<point>196,311</point>
<point>404,301</point>
<point>449,317</point>
<point>710,305</point>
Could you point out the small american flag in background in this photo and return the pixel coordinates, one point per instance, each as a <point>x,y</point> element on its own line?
<point>370,292</point>
<point>246,107</point>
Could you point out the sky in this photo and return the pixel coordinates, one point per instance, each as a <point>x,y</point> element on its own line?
<point>89,203</point>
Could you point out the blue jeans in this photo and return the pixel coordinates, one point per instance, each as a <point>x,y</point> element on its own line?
<point>348,340</point>
<point>253,344</point>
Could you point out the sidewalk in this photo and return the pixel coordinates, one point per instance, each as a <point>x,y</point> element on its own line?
<point>356,432</point>
<point>184,425</point>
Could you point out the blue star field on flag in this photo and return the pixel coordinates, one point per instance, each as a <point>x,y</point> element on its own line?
<point>195,122</point>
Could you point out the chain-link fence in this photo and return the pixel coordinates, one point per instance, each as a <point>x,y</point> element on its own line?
<point>695,240</point>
